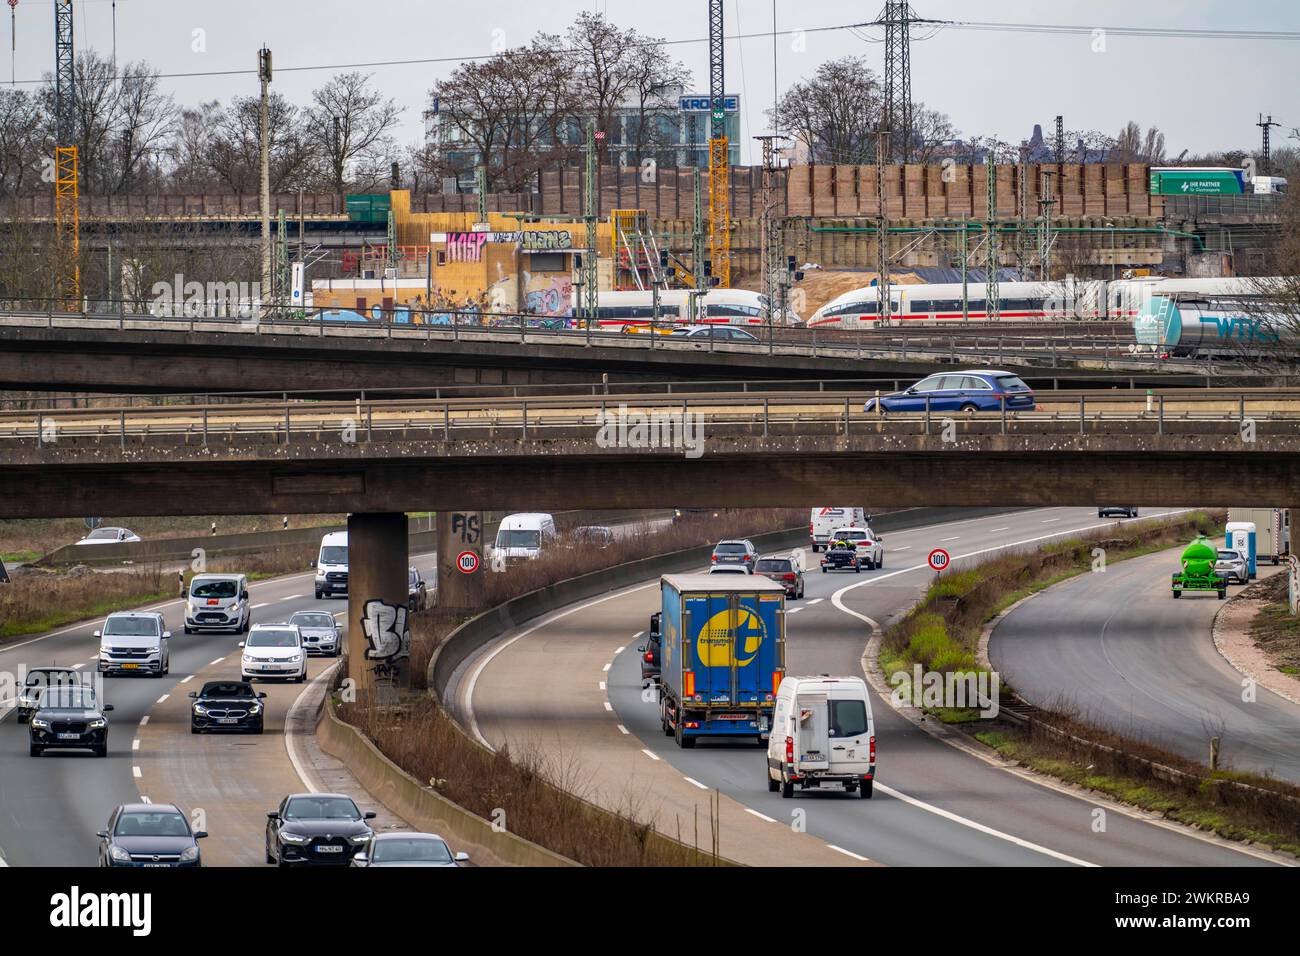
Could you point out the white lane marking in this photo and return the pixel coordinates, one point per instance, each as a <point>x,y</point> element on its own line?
<point>262,605</point>
<point>93,657</point>
<point>622,729</point>
<point>1050,520</point>
<point>794,610</point>
<point>144,720</point>
<point>840,849</point>
<point>135,772</point>
<point>815,601</point>
<point>467,694</point>
<point>602,685</point>
<point>761,816</point>
<point>638,635</point>
<point>77,667</point>
<point>135,744</point>
<point>619,650</point>
<point>216,662</point>
<point>609,706</point>
<point>188,679</point>
<point>963,821</point>
<point>995,530</point>
<point>838,600</point>
<point>945,540</point>
<point>896,550</point>
<point>695,783</point>
<point>606,668</point>
<point>162,698</point>
<point>292,597</point>
<point>651,754</point>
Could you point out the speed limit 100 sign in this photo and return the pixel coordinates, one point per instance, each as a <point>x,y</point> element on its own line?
<point>939,559</point>
<point>467,562</point>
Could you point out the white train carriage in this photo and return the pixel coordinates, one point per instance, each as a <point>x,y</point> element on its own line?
<point>633,311</point>
<point>940,303</point>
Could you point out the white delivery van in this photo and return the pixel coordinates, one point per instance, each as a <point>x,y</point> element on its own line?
<point>823,521</point>
<point>332,565</point>
<point>822,733</point>
<point>522,537</point>
<point>134,642</point>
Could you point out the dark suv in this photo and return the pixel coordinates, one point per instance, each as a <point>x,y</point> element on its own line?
<point>650,651</point>
<point>785,571</point>
<point>227,705</point>
<point>68,718</point>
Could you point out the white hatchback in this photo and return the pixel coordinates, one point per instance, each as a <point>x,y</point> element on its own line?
<point>871,550</point>
<point>274,650</point>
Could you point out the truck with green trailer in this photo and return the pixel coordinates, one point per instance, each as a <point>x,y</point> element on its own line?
<point>1198,572</point>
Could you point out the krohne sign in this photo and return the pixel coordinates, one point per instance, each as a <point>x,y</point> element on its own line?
<point>702,104</point>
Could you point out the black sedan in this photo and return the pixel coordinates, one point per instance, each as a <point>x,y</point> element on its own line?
<point>149,835</point>
<point>68,717</point>
<point>316,829</point>
<point>227,705</point>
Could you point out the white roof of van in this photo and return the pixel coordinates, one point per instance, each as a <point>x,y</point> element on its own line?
<point>335,537</point>
<point>525,519</point>
<point>715,583</point>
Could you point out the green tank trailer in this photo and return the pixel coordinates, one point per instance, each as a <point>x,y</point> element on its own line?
<point>1198,574</point>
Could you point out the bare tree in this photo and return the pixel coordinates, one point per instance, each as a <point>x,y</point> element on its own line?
<point>655,77</point>
<point>23,131</point>
<point>1134,146</point>
<point>192,145</point>
<point>350,123</point>
<point>835,113</point>
<point>234,149</point>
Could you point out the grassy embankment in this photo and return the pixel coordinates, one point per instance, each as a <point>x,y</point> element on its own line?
<point>943,631</point>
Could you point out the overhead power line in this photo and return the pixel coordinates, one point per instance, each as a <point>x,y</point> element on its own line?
<point>857,28</point>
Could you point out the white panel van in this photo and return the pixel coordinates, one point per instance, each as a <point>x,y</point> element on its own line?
<point>823,733</point>
<point>823,521</point>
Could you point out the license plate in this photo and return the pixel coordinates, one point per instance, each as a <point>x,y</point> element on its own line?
<point>129,667</point>
<point>164,865</point>
<point>329,849</point>
<point>69,736</point>
<point>812,758</point>
<point>227,720</point>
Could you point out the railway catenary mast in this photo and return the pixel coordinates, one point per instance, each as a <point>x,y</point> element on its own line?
<point>719,154</point>
<point>67,215</point>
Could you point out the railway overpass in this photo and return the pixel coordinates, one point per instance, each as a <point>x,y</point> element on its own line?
<point>101,352</point>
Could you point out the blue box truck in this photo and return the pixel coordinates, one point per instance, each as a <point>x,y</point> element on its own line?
<point>722,655</point>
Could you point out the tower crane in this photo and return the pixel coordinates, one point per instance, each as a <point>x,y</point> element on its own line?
<point>719,154</point>
<point>67,215</point>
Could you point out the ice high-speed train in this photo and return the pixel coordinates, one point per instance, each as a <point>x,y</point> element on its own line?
<point>1174,316</point>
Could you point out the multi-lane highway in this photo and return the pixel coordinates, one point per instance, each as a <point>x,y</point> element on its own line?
<point>568,687</point>
<point>1119,650</point>
<point>52,806</point>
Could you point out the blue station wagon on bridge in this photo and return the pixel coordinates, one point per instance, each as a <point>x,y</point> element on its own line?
<point>980,390</point>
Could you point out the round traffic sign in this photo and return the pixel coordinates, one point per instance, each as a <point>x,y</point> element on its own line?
<point>939,559</point>
<point>467,562</point>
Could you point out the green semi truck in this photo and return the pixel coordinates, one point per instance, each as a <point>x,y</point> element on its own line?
<point>1198,572</point>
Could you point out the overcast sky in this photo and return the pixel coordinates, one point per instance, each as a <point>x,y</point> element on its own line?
<point>1205,94</point>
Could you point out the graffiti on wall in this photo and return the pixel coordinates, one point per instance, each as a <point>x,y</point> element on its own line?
<point>555,299</point>
<point>466,246</point>
<point>387,630</point>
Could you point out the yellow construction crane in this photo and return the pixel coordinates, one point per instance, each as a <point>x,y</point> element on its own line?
<point>719,155</point>
<point>67,213</point>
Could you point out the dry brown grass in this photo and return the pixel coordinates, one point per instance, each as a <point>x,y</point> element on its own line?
<point>544,804</point>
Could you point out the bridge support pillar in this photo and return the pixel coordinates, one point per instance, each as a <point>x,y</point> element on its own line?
<point>460,533</point>
<point>379,634</point>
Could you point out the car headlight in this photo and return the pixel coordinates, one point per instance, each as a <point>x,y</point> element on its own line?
<point>288,836</point>
<point>255,709</point>
<point>200,710</point>
<point>295,659</point>
<point>361,838</point>
<point>40,724</point>
<point>189,854</point>
<point>120,855</point>
<point>98,723</point>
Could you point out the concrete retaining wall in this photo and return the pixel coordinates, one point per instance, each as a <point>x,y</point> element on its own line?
<point>421,807</point>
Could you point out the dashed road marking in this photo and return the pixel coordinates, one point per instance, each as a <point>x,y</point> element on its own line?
<point>695,783</point>
<point>602,685</point>
<point>262,605</point>
<point>651,754</point>
<point>840,849</point>
<point>135,744</point>
<point>815,601</point>
<point>187,679</point>
<point>761,816</point>
<point>216,662</point>
<point>607,667</point>
<point>622,729</point>
<point>135,772</point>
<point>163,698</point>
<point>619,650</point>
<point>144,720</point>
<point>609,706</point>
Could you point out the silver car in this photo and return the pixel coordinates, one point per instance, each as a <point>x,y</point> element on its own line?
<point>320,632</point>
<point>409,849</point>
<point>1231,565</point>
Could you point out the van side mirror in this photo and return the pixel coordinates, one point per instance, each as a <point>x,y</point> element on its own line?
<point>106,708</point>
<point>241,643</point>
<point>311,564</point>
<point>194,694</point>
<point>98,635</point>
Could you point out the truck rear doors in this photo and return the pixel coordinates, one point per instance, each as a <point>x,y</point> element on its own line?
<point>732,640</point>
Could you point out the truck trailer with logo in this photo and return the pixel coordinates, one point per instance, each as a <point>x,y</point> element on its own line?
<point>722,656</point>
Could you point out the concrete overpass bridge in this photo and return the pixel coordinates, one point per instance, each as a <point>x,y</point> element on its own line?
<point>99,352</point>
